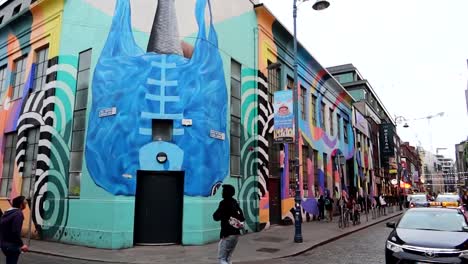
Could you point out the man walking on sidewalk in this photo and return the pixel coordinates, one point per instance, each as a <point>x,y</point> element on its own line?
<point>232,220</point>
<point>10,229</point>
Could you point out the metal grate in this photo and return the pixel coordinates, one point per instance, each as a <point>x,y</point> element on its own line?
<point>268,250</point>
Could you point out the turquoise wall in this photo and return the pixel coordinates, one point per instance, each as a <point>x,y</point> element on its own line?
<point>101,219</point>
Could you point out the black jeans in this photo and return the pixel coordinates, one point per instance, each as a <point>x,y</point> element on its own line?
<point>12,254</point>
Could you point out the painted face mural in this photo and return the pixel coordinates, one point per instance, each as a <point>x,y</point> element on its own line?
<point>159,84</point>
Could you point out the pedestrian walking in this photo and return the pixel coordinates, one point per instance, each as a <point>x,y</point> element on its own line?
<point>383,203</point>
<point>232,221</point>
<point>329,207</point>
<point>321,206</point>
<point>10,225</point>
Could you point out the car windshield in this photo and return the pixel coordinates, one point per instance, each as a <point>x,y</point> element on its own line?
<point>418,198</point>
<point>433,220</point>
<point>447,198</point>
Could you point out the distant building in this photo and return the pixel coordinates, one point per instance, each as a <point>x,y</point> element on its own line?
<point>461,156</point>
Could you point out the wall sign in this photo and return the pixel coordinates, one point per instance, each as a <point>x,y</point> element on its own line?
<point>217,134</point>
<point>283,117</point>
<point>186,122</point>
<point>108,112</point>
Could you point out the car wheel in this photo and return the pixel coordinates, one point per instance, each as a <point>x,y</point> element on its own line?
<point>388,258</point>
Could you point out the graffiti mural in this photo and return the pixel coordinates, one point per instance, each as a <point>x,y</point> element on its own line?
<point>318,91</point>
<point>158,84</point>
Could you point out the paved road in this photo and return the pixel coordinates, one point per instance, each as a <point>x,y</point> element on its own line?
<point>366,246</point>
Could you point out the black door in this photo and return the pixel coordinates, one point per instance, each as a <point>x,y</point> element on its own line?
<point>158,207</point>
<point>275,200</point>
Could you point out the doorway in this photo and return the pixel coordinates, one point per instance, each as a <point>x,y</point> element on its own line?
<point>274,185</point>
<point>158,207</point>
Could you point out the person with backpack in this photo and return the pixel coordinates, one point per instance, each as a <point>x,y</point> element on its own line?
<point>10,227</point>
<point>329,207</point>
<point>232,221</point>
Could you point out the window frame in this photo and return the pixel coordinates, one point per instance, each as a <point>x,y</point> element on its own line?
<point>11,163</point>
<point>18,84</point>
<point>313,106</point>
<point>274,81</point>
<point>81,112</point>
<point>235,134</point>
<point>41,63</point>
<point>35,148</point>
<point>303,102</point>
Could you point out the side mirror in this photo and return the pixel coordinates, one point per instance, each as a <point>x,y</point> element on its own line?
<point>391,224</point>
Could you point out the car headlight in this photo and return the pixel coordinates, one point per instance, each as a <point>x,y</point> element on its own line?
<point>464,254</point>
<point>394,247</point>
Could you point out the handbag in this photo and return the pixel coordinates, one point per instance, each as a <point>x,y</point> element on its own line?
<point>235,221</point>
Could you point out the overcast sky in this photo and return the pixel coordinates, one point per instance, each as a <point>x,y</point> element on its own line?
<point>413,53</point>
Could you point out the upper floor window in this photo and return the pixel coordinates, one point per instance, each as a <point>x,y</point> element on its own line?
<point>330,119</point>
<point>345,130</point>
<point>40,75</point>
<point>274,81</point>
<point>322,116</point>
<point>303,102</point>
<point>3,82</point>
<point>19,76</point>
<point>290,84</point>
<point>313,108</point>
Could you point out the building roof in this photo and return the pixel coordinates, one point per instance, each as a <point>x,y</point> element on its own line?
<point>351,68</point>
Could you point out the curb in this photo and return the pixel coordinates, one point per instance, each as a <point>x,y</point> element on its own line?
<point>339,236</point>
<point>77,258</point>
<point>281,257</point>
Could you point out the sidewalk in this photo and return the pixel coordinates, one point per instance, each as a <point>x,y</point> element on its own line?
<point>276,242</point>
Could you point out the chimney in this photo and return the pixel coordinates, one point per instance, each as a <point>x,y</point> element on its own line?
<point>164,38</point>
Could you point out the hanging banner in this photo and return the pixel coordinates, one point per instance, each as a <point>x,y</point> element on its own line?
<point>283,117</point>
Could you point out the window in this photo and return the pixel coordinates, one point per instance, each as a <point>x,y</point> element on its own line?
<point>8,164</point>
<point>18,77</point>
<point>303,102</point>
<point>162,129</point>
<point>330,119</point>
<point>16,10</point>
<point>274,82</point>
<point>79,123</point>
<point>345,77</point>
<point>30,161</point>
<point>325,169</point>
<point>338,118</point>
<point>313,107</point>
<point>40,75</point>
<point>322,116</point>
<point>316,168</point>
<point>290,84</point>
<point>3,83</point>
<point>345,130</point>
<point>235,118</point>
<point>305,156</point>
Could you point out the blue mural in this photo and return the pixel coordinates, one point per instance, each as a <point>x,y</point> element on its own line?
<point>143,86</point>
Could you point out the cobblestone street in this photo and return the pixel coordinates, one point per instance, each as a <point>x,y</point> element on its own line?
<point>366,246</point>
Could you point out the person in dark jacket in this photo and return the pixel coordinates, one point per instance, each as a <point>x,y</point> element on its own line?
<point>231,217</point>
<point>321,207</point>
<point>10,227</point>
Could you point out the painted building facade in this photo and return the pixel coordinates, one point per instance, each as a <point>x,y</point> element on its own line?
<point>325,123</point>
<point>112,109</point>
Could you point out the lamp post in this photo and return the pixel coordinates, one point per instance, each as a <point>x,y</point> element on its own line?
<point>319,5</point>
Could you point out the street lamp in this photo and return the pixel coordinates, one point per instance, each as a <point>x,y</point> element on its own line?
<point>401,119</point>
<point>319,5</point>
